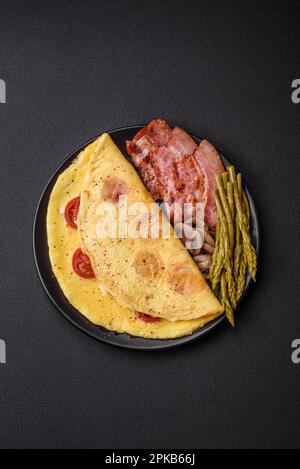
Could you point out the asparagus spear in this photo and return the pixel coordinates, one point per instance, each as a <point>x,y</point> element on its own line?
<point>241,278</point>
<point>230,193</point>
<point>215,280</point>
<point>216,251</point>
<point>238,243</point>
<point>225,178</point>
<point>244,226</point>
<point>226,208</point>
<point>225,301</point>
<point>248,215</point>
<point>238,248</point>
<point>246,205</point>
<point>222,188</point>
<point>239,182</point>
<point>230,273</point>
<point>243,196</point>
<point>223,220</point>
<point>228,243</point>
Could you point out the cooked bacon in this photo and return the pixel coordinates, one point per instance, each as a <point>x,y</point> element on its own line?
<point>179,175</point>
<point>159,131</point>
<point>191,179</point>
<point>140,151</point>
<point>141,147</point>
<point>181,143</point>
<point>149,177</point>
<point>165,171</point>
<point>209,160</point>
<point>174,169</point>
<point>149,138</point>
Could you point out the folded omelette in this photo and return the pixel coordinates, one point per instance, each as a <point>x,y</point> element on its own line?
<point>133,274</point>
<point>154,275</point>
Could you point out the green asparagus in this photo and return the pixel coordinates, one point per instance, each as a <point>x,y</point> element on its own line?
<point>234,252</point>
<point>225,301</point>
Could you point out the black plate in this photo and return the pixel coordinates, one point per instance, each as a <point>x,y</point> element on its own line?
<point>52,287</point>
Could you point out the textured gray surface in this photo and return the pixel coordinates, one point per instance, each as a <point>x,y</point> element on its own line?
<point>75,68</point>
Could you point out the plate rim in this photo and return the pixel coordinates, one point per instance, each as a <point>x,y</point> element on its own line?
<point>111,339</point>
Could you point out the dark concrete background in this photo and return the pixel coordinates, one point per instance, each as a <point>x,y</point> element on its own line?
<point>222,70</point>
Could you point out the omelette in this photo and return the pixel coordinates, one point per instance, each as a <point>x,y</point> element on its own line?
<point>143,287</point>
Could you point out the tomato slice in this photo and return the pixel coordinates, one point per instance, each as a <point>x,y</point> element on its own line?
<point>71,212</point>
<point>82,265</point>
<point>146,317</point>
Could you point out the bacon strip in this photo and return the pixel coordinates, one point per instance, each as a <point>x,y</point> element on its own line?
<point>166,163</point>
<point>209,160</point>
<point>141,148</point>
<point>174,169</point>
<point>181,143</point>
<point>191,179</point>
<point>165,171</point>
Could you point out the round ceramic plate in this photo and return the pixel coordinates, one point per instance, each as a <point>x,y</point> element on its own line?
<point>52,287</point>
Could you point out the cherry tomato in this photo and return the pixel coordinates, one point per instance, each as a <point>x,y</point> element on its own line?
<point>71,212</point>
<point>146,317</point>
<point>82,265</point>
